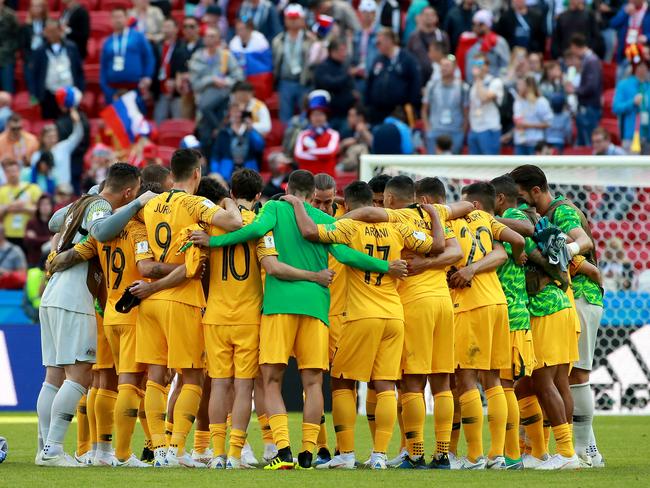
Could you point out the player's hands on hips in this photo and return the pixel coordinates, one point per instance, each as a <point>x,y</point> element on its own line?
<point>324,277</point>
<point>200,238</point>
<point>141,289</point>
<point>462,277</point>
<point>292,199</point>
<point>397,268</point>
<point>146,196</point>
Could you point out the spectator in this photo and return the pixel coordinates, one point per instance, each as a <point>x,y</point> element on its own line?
<point>280,167</point>
<point>213,71</point>
<point>488,43</point>
<point>37,231</point>
<point>101,158</point>
<point>444,107</point>
<point>632,24</point>
<point>193,42</point>
<point>13,266</point>
<point>213,17</point>
<point>127,61</point>
<point>523,26</point>
<point>172,62</point>
<point>543,148</point>
<point>57,64</point>
<point>444,146</point>
<point>607,10</point>
<point>392,136</point>
<point>76,23</point>
<point>532,116</point>
<point>459,20</point>
<point>63,196</point>
<point>426,33</point>
<point>616,268</point>
<point>333,76</point>
<point>356,139</point>
<point>242,95</point>
<point>317,146</point>
<point>552,81</point>
<point>518,67</point>
<point>5,108</point>
<point>17,202</point>
<point>41,172</point>
<point>560,132</point>
<point>150,155</point>
<point>632,102</point>
<point>148,20</point>
<point>16,143</point>
<point>192,35</point>
<point>588,91</point>
<point>238,145</point>
<point>389,16</point>
<point>9,33</point>
<point>412,15</point>
<point>253,52</point>
<point>602,143</point>
<point>143,138</point>
<point>485,97</point>
<point>576,20</point>
<point>263,15</point>
<point>291,69</point>
<point>31,38</point>
<point>364,48</point>
<point>536,68</point>
<point>394,80</point>
<point>65,126</point>
<point>324,29</point>
<point>343,14</point>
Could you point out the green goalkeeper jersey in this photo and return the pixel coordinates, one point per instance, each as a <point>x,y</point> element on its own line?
<point>513,280</point>
<point>297,297</point>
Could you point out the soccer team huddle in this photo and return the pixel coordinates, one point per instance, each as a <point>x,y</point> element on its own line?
<point>163,277</point>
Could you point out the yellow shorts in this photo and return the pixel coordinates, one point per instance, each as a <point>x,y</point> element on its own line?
<point>336,323</point>
<point>522,355</point>
<point>232,350</point>
<point>554,338</point>
<point>428,336</point>
<point>483,338</point>
<point>304,336</point>
<point>369,349</point>
<point>122,341</point>
<point>169,334</point>
<point>104,354</point>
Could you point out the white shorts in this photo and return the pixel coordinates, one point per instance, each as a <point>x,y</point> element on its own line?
<point>67,337</point>
<point>589,316</point>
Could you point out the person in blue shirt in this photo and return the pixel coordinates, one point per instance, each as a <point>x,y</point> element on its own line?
<point>392,136</point>
<point>632,100</point>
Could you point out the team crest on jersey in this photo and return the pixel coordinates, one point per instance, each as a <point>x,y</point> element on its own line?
<point>420,236</point>
<point>142,247</point>
<point>97,215</point>
<point>208,203</point>
<point>269,242</point>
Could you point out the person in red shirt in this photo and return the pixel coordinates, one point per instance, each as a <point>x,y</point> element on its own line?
<point>317,147</point>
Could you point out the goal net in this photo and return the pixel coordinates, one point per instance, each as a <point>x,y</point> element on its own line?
<point>614,194</point>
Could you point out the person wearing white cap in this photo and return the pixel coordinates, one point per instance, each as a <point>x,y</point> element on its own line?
<point>493,46</point>
<point>291,68</point>
<point>364,49</point>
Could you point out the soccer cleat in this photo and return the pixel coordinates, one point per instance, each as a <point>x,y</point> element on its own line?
<point>248,456</point>
<point>147,455</point>
<point>480,462</point>
<point>304,460</point>
<point>397,460</point>
<point>184,461</point>
<point>514,463</point>
<point>203,457</point>
<point>531,462</point>
<point>218,462</point>
<point>440,461</point>
<point>270,451</point>
<point>277,463</point>
<point>409,463</point>
<point>85,458</point>
<point>160,458</point>
<point>454,461</point>
<point>132,462</point>
<point>560,462</point>
<point>585,461</point>
<point>323,456</point>
<point>234,463</point>
<point>340,461</point>
<point>378,461</point>
<point>61,460</point>
<point>598,461</point>
<point>105,458</point>
<point>498,462</point>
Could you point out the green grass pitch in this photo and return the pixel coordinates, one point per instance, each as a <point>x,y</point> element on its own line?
<point>624,441</point>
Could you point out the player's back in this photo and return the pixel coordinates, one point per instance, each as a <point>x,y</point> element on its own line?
<point>476,233</point>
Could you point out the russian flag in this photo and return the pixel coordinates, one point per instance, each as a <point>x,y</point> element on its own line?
<point>256,62</point>
<point>124,118</point>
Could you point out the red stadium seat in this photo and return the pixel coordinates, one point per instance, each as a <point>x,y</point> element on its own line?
<point>19,75</point>
<point>262,85</point>
<point>507,150</point>
<point>611,126</point>
<point>343,179</point>
<point>578,151</point>
<point>178,16</point>
<point>274,137</point>
<point>100,25</point>
<point>93,49</point>
<point>23,106</point>
<point>265,157</point>
<point>609,75</point>
<point>111,4</point>
<point>608,98</point>
<point>273,104</point>
<point>88,104</point>
<point>165,153</point>
<point>170,132</point>
<point>91,73</point>
<point>22,16</point>
<point>96,125</point>
<point>90,5</point>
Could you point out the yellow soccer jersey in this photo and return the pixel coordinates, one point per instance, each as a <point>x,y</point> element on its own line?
<point>165,217</point>
<point>118,259</point>
<point>236,290</point>
<point>339,211</point>
<point>475,233</point>
<point>338,288</point>
<point>432,282</point>
<point>374,295</point>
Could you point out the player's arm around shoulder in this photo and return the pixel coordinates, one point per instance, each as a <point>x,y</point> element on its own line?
<point>505,234</point>
<point>83,251</point>
<point>228,216</point>
<point>371,215</point>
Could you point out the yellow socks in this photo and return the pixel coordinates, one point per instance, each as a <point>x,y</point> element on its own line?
<point>83,434</point>
<point>344,413</point>
<point>280,427</point>
<point>309,436</point>
<point>267,435</point>
<point>155,404</point>
<point>512,450</point>
<point>371,406</point>
<point>237,441</point>
<point>126,415</point>
<point>104,410</point>
<point>321,442</point>
<point>142,416</point>
<point>92,419</point>
<point>201,440</point>
<point>497,408</point>
<point>547,433</point>
<point>471,410</point>
<point>531,418</point>
<point>169,430</point>
<point>400,421</point>
<point>413,415</point>
<point>187,406</point>
<point>563,440</point>
<point>218,436</point>
<point>443,418</point>
<point>385,416</point>
<point>455,428</point>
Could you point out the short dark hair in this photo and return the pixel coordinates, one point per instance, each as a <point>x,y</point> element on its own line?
<point>334,45</point>
<point>506,185</point>
<point>444,142</point>
<point>152,186</point>
<point>431,187</point>
<point>155,173</point>
<point>403,187</point>
<point>246,184</point>
<point>119,8</point>
<point>323,181</point>
<point>378,183</point>
<point>358,194</point>
<point>301,181</point>
<point>578,40</point>
<point>244,86</point>
<point>184,162</point>
<point>14,117</point>
<point>483,192</point>
<point>529,176</point>
<point>211,189</point>
<point>121,176</point>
